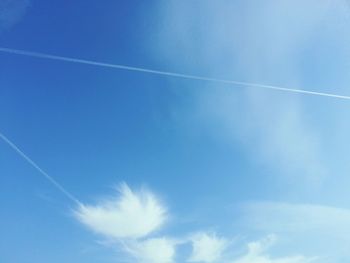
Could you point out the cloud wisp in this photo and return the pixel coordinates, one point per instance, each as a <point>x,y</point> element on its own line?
<point>262,41</point>
<point>128,220</point>
<point>130,215</point>
<point>317,229</point>
<point>134,221</point>
<point>152,250</point>
<point>207,247</point>
<point>257,253</point>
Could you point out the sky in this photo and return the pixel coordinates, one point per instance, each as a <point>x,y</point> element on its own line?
<point>173,170</point>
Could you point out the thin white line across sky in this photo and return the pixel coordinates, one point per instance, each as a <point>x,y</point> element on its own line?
<point>168,73</point>
<point>41,171</point>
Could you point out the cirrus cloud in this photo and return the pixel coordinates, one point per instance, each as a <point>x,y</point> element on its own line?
<point>207,247</point>
<point>131,215</point>
<point>257,254</point>
<point>152,250</point>
<point>131,221</point>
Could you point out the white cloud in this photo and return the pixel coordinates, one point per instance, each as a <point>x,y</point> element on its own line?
<point>153,250</point>
<point>207,247</point>
<point>257,254</point>
<point>299,218</point>
<point>127,220</point>
<point>253,41</point>
<point>314,229</point>
<point>131,219</point>
<point>129,215</point>
<point>11,11</point>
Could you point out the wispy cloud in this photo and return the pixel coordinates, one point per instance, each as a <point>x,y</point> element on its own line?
<point>130,215</point>
<point>261,42</point>
<point>11,12</point>
<point>207,247</point>
<point>152,250</point>
<point>320,230</point>
<point>134,222</point>
<point>128,220</point>
<point>257,253</point>
<point>288,217</point>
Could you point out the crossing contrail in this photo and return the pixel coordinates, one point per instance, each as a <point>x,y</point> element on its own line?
<point>41,171</point>
<point>168,73</point>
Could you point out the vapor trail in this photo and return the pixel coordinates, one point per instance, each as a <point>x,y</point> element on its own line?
<point>168,73</point>
<point>41,171</point>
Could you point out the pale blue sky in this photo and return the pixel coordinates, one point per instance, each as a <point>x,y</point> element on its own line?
<point>175,170</point>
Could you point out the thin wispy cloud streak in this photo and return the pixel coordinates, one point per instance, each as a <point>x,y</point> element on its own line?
<point>57,185</point>
<point>170,74</point>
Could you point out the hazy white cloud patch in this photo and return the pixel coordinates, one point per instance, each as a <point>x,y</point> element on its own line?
<point>294,219</point>
<point>257,253</point>
<point>262,42</point>
<point>127,215</point>
<point>153,250</point>
<point>317,229</point>
<point>207,247</point>
<point>11,12</point>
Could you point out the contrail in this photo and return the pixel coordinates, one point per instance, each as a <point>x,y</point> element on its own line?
<point>41,171</point>
<point>168,73</point>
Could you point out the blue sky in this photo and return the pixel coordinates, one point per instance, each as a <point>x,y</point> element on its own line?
<point>175,170</point>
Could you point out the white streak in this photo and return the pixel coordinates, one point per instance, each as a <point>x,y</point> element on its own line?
<point>41,171</point>
<point>168,73</point>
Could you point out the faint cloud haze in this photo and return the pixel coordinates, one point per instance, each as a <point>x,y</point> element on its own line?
<point>257,254</point>
<point>318,229</point>
<point>153,250</point>
<point>258,41</point>
<point>11,12</point>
